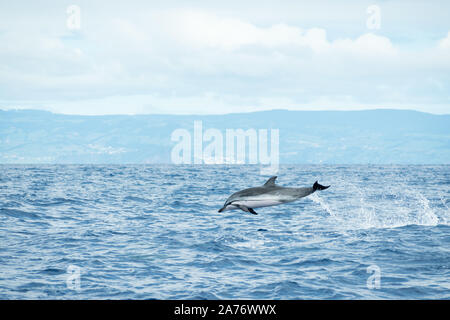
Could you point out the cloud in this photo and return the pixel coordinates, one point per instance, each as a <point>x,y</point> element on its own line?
<point>177,60</point>
<point>367,44</point>
<point>208,30</point>
<point>445,43</point>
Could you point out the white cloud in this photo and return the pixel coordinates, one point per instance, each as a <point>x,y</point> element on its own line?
<point>445,43</point>
<point>367,44</point>
<point>175,60</point>
<point>208,30</point>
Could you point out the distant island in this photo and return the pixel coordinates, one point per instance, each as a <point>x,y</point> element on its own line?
<point>378,136</point>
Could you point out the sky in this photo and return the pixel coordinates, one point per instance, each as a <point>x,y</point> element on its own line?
<point>216,57</point>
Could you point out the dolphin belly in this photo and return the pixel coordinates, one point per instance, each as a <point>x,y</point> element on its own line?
<point>264,200</point>
<point>257,203</point>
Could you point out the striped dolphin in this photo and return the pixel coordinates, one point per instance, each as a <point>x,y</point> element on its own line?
<point>267,195</point>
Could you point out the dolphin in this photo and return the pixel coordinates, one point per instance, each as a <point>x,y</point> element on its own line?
<point>267,195</point>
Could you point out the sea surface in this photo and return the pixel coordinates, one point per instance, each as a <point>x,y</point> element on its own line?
<point>153,232</point>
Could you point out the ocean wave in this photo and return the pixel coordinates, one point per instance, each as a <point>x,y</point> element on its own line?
<point>153,232</point>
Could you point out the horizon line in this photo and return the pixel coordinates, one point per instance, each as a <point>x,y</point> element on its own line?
<point>216,114</point>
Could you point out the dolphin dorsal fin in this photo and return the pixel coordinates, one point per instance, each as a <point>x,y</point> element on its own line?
<point>270,182</point>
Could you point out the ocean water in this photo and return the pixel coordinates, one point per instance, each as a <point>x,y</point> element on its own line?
<point>153,232</point>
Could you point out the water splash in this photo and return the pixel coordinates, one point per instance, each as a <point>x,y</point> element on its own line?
<point>317,199</point>
<point>428,216</point>
<point>395,206</point>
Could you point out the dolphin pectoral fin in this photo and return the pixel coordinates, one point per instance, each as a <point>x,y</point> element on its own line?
<point>246,209</point>
<point>243,208</point>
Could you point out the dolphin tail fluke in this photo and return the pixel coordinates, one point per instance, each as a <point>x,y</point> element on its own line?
<point>317,186</point>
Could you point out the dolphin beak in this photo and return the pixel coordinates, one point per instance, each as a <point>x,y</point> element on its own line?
<point>222,209</point>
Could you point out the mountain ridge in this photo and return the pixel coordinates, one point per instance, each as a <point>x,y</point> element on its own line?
<point>374,136</point>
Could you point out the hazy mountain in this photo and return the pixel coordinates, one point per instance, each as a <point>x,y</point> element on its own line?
<point>372,136</point>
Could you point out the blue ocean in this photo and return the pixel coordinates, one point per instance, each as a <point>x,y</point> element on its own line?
<point>154,232</point>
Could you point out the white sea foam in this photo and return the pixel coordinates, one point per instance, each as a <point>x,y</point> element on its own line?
<point>394,206</point>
